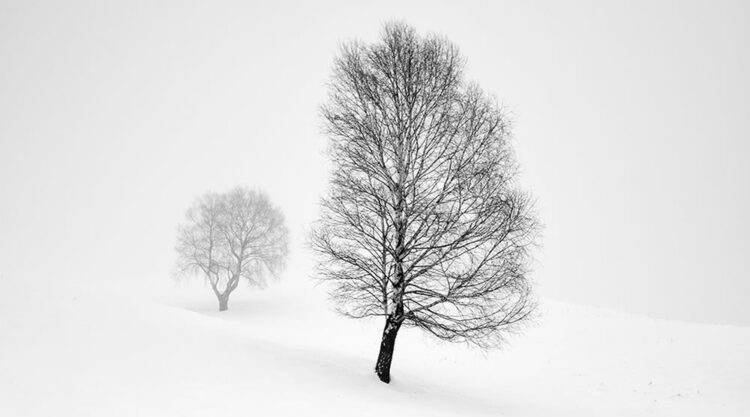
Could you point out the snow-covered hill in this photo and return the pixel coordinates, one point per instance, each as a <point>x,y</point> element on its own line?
<point>83,350</point>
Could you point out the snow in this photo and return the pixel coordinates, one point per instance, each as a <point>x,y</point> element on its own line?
<point>118,350</point>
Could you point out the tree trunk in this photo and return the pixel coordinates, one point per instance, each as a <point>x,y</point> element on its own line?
<point>383,366</point>
<point>223,302</point>
<point>395,318</point>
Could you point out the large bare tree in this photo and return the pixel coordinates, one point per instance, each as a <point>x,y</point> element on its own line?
<point>423,224</point>
<point>230,237</point>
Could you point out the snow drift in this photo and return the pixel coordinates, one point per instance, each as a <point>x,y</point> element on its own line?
<point>80,350</point>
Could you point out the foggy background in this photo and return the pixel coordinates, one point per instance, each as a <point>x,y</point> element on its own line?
<point>631,127</point>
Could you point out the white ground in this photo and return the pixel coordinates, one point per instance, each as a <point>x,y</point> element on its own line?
<point>82,350</point>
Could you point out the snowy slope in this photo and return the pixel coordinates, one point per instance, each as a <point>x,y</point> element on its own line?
<point>83,350</point>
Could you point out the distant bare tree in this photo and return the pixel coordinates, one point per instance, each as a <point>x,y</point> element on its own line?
<point>423,224</point>
<point>232,236</point>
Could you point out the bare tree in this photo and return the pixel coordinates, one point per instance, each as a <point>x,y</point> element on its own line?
<point>232,236</point>
<point>423,223</point>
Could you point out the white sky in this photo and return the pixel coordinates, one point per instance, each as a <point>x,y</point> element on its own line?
<point>631,127</point>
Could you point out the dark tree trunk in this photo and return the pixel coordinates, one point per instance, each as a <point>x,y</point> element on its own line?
<point>224,303</point>
<point>394,320</point>
<point>383,366</point>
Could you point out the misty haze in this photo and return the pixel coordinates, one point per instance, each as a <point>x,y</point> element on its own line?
<point>389,208</point>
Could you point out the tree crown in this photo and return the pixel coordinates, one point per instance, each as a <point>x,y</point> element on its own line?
<point>423,222</point>
<point>233,235</point>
